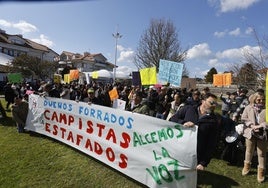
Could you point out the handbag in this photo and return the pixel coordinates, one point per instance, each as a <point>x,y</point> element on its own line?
<point>261,134</point>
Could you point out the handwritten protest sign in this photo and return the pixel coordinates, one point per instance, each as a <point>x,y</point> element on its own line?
<point>170,71</point>
<point>155,152</point>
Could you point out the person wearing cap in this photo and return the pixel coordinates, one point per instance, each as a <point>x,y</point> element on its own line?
<point>19,112</point>
<point>91,98</point>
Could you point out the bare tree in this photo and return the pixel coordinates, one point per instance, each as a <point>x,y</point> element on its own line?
<point>159,41</point>
<point>253,70</point>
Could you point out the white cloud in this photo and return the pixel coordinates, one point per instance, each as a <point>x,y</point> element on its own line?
<point>126,69</point>
<point>254,50</point>
<point>213,62</point>
<point>126,55</point>
<point>22,25</point>
<point>235,32</point>
<point>232,5</point>
<point>44,40</point>
<point>249,30</point>
<point>25,27</point>
<point>234,53</point>
<point>204,72</point>
<point>5,23</point>
<point>218,64</point>
<point>220,34</point>
<point>221,60</point>
<point>199,51</point>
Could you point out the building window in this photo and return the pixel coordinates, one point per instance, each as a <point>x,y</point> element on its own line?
<point>11,52</point>
<point>5,51</point>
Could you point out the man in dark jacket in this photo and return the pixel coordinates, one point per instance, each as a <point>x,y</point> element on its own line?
<point>204,117</point>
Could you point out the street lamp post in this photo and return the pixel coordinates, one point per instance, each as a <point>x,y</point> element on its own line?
<point>116,36</point>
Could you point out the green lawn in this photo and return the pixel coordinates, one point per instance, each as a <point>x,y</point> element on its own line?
<point>38,161</point>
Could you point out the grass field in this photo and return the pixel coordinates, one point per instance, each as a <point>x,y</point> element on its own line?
<point>38,161</point>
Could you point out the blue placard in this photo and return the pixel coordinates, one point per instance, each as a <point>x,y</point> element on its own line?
<point>170,71</point>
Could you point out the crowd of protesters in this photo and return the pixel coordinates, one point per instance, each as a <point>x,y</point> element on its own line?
<point>187,107</point>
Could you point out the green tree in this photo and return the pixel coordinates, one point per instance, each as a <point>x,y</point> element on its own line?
<point>33,67</point>
<point>209,75</point>
<point>159,41</point>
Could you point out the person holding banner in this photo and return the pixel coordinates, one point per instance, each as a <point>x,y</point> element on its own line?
<point>208,126</point>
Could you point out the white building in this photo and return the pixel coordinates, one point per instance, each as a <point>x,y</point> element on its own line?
<point>84,62</point>
<point>14,45</point>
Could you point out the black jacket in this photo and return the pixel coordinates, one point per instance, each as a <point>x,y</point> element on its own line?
<point>208,128</point>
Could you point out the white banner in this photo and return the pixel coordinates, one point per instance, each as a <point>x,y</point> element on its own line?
<point>155,152</point>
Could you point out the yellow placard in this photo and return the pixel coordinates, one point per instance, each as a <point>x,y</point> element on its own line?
<point>148,76</point>
<point>67,78</point>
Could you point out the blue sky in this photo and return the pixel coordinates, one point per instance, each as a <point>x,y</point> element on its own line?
<point>215,31</point>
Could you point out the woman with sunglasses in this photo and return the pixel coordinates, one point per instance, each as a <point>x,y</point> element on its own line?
<point>253,117</point>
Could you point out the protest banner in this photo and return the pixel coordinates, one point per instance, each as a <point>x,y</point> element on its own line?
<point>155,152</point>
<point>170,72</point>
